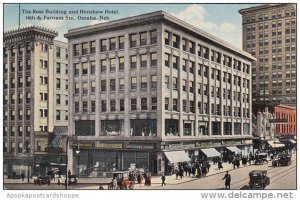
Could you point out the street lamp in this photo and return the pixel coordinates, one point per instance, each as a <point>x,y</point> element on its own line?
<point>69,138</point>
<point>77,151</point>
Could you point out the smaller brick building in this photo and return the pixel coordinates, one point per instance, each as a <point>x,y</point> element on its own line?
<point>289,113</point>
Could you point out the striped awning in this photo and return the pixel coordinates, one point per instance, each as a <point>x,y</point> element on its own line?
<point>275,144</point>
<point>211,152</point>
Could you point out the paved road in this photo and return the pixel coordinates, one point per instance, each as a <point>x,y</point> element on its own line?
<point>280,178</point>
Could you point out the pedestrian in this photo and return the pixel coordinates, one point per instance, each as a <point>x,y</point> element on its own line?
<point>227,178</point>
<point>14,175</point>
<point>233,163</point>
<point>176,172</point>
<point>220,166</point>
<point>238,163</point>
<point>115,184</point>
<point>163,180</point>
<point>23,175</point>
<point>181,173</point>
<point>185,170</point>
<point>189,171</point>
<point>69,173</point>
<point>207,166</point>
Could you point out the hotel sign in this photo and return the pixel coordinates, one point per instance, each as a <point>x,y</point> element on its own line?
<point>108,145</point>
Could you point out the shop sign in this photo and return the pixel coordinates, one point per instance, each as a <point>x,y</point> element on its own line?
<point>108,146</point>
<point>140,146</point>
<point>175,146</point>
<point>82,145</point>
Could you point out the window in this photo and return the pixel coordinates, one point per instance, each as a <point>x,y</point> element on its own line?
<point>153,81</point>
<point>57,83</point>
<point>57,114</point>
<point>103,106</point>
<point>143,39</point>
<point>144,82</point>
<point>175,61</point>
<point>192,47</point>
<point>85,68</point>
<point>122,105</point>
<point>103,64</point>
<point>167,103</point>
<point>121,63</point>
<point>103,45</point>
<point>184,108</point>
<point>175,83</point>
<point>191,86</point>
<point>112,105</point>
<point>85,47</point>
<point>112,85</point>
<point>92,47</point>
<point>93,68</point>
<point>153,37</point>
<point>167,80</point>
<point>112,44</point>
<point>153,103</point>
<point>175,40</point>
<point>167,36</point>
<point>133,61</point>
<point>103,85</point>
<point>144,103</point>
<point>167,60</point>
<point>192,106</point>
<point>184,64</point>
<point>93,86</point>
<point>175,104</point>
<point>112,64</point>
<point>192,67</point>
<point>76,49</point>
<point>133,104</point>
<point>121,84</point>
<point>85,88</point>
<point>184,44</point>
<point>133,40</point>
<point>153,57</point>
<point>144,60</point>
<point>58,99</point>
<point>133,83</point>
<point>76,69</point>
<point>76,88</point>
<point>121,42</point>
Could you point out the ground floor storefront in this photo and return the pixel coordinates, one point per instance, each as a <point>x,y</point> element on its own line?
<point>13,167</point>
<point>102,158</point>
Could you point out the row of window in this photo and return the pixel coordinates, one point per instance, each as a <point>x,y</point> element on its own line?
<point>20,82</point>
<point>19,68</point>
<point>266,16</point>
<point>20,98</point>
<point>21,149</point>
<point>114,43</point>
<point>227,61</point>
<point>115,105</point>
<point>20,131</point>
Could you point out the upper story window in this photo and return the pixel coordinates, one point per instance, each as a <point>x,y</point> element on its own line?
<point>121,42</point>
<point>167,36</point>
<point>103,45</point>
<point>112,44</point>
<point>133,40</point>
<point>153,37</point>
<point>92,47</point>
<point>143,39</point>
<point>176,41</point>
<point>58,52</point>
<point>85,47</point>
<point>76,49</point>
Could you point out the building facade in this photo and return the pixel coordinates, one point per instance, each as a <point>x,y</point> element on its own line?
<point>145,87</point>
<point>269,34</point>
<point>35,96</point>
<point>287,129</point>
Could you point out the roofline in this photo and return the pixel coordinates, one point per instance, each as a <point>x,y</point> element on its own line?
<point>152,17</point>
<point>265,6</point>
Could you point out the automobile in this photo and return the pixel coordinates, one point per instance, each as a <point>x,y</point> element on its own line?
<point>261,158</point>
<point>123,181</point>
<point>73,179</point>
<point>41,180</point>
<point>258,179</point>
<point>282,160</point>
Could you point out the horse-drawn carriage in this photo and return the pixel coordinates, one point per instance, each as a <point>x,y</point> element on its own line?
<point>123,181</point>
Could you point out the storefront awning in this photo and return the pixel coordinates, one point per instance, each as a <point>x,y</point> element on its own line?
<point>293,141</point>
<point>211,152</point>
<point>234,149</point>
<point>275,144</point>
<point>177,156</point>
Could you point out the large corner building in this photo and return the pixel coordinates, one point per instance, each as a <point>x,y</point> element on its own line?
<point>147,91</point>
<point>269,34</point>
<point>35,89</point>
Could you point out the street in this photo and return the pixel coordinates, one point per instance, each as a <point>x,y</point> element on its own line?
<point>280,178</point>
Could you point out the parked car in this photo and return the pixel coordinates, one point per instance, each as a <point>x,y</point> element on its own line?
<point>123,181</point>
<point>261,158</point>
<point>282,160</point>
<point>72,180</point>
<point>40,180</point>
<point>258,179</point>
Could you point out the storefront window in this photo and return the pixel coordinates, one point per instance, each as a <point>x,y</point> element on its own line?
<point>188,131</point>
<point>105,161</point>
<point>143,127</point>
<point>202,128</point>
<point>171,127</point>
<point>237,129</point>
<point>216,128</point>
<point>85,127</point>
<point>246,128</point>
<point>112,127</point>
<point>139,159</point>
<point>227,128</point>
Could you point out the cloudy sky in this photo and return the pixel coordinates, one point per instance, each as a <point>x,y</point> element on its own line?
<point>221,20</point>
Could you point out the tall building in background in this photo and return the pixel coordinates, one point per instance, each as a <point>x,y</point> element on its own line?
<point>35,73</point>
<point>269,34</point>
<point>151,90</point>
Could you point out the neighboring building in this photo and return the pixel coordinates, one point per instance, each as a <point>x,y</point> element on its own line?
<point>35,98</point>
<point>147,91</point>
<point>288,129</point>
<point>269,34</point>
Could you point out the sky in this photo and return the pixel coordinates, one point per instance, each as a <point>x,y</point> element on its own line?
<point>220,20</point>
